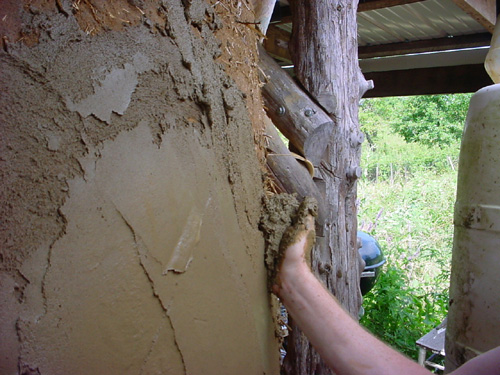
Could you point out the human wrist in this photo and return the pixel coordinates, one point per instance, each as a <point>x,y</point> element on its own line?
<point>291,275</point>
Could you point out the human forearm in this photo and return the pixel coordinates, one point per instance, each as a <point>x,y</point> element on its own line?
<point>342,343</point>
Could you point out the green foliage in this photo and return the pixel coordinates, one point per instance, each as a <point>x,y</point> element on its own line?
<point>431,120</point>
<point>400,314</point>
<point>412,221</point>
<point>390,125</point>
<point>392,158</point>
<point>376,113</point>
<point>406,199</point>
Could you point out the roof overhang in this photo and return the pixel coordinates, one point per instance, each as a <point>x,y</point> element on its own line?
<point>442,42</point>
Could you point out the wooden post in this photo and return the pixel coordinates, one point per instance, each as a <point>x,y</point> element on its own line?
<point>324,52</point>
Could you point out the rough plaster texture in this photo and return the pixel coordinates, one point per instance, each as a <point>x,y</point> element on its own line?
<point>282,219</point>
<point>130,201</point>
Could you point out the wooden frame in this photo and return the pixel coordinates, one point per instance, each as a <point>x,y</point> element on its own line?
<point>427,81</point>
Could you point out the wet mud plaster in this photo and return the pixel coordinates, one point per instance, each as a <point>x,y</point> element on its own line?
<point>282,219</point>
<point>130,199</point>
<point>126,225</point>
<point>300,223</point>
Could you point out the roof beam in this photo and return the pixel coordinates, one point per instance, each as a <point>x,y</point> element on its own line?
<point>424,60</point>
<point>427,81</point>
<point>276,43</point>
<point>483,11</point>
<point>366,5</point>
<point>430,45</point>
<point>363,6</point>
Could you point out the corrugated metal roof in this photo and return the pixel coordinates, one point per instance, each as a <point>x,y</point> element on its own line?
<point>417,21</point>
<point>421,38</point>
<point>423,20</point>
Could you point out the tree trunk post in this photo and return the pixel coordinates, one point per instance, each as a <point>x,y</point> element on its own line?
<point>324,52</point>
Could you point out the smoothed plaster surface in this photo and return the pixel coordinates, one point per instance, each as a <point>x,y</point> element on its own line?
<point>130,199</point>
<point>106,285</point>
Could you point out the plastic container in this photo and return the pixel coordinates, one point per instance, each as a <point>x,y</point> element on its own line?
<point>474,313</point>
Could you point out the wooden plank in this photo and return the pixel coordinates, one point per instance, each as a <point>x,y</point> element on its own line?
<point>379,4</point>
<point>430,45</point>
<point>276,43</point>
<point>427,81</point>
<point>483,11</point>
<point>284,20</point>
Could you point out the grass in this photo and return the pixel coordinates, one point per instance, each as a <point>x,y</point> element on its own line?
<point>406,202</point>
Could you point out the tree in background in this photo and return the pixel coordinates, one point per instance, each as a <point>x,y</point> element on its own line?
<point>406,199</point>
<point>431,120</point>
<point>374,112</point>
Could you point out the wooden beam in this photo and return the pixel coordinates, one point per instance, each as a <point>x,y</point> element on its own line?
<point>283,20</point>
<point>313,49</point>
<point>430,45</point>
<point>427,81</point>
<point>289,173</point>
<point>276,43</point>
<point>483,11</point>
<point>379,4</point>
<point>324,52</point>
<point>300,119</point>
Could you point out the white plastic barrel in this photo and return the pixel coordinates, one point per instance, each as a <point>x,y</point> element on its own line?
<point>474,313</point>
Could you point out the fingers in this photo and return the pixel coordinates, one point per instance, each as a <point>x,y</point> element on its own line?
<point>307,211</point>
<point>297,242</point>
<point>309,222</point>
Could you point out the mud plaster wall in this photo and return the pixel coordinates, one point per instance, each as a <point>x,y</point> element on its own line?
<point>130,199</point>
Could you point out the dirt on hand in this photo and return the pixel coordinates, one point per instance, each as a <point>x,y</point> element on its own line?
<point>282,219</point>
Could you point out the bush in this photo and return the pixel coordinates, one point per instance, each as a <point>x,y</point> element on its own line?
<point>432,120</point>
<point>400,314</point>
<point>412,219</point>
<point>406,198</point>
<point>393,158</point>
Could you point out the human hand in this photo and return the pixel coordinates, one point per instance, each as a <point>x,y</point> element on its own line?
<point>296,244</point>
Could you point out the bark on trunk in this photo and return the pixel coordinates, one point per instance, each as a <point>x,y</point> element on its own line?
<point>324,51</point>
